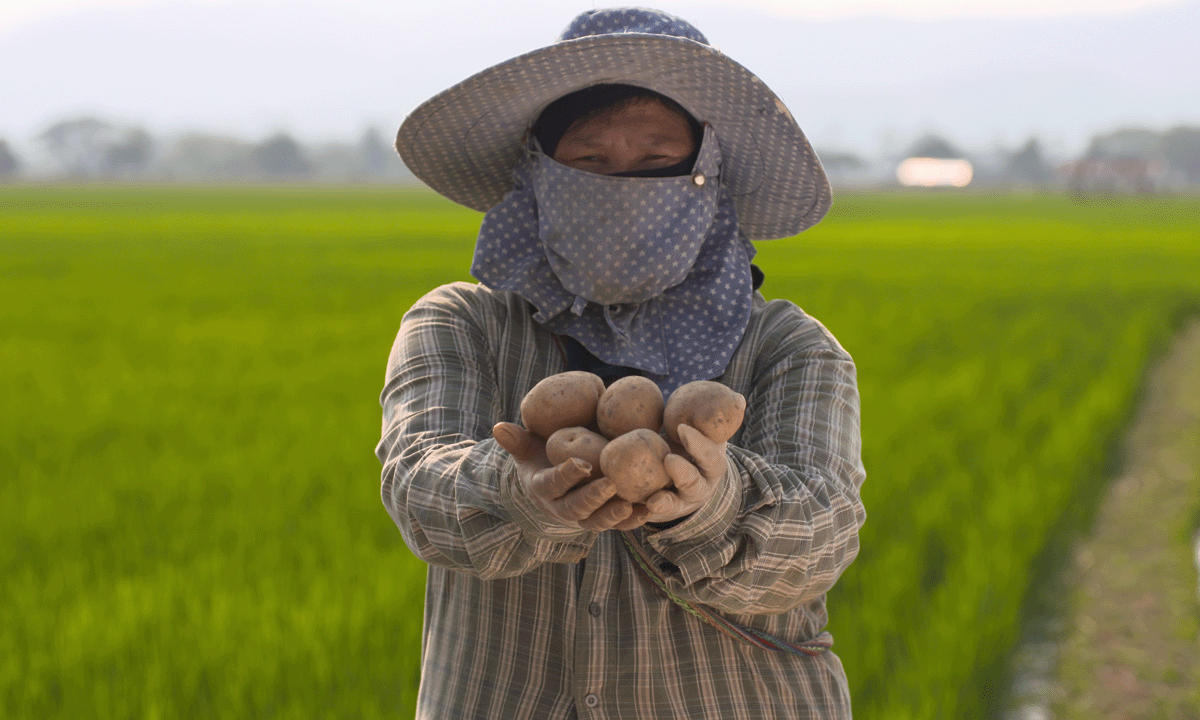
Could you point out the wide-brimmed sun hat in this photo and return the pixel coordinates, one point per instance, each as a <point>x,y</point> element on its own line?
<point>465,141</point>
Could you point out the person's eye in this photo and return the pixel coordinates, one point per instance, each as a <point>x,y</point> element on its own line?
<point>660,159</point>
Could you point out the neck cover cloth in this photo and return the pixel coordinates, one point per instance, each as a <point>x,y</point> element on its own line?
<point>650,273</point>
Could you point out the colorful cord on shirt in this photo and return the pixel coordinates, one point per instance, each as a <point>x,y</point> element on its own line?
<point>757,638</point>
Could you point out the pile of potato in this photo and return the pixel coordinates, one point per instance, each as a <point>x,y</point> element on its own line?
<point>618,430</point>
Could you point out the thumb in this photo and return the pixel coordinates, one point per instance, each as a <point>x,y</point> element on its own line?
<point>707,455</point>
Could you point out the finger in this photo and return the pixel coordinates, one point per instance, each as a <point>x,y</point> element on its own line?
<point>580,503</point>
<point>636,519</point>
<point>665,504</point>
<point>708,455</point>
<point>519,442</point>
<point>677,448</point>
<point>688,480</point>
<point>609,514</point>
<point>552,484</point>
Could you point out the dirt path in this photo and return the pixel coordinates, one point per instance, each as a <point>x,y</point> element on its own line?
<point>1127,645</point>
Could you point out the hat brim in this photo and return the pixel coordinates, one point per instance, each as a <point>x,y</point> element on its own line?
<point>465,141</point>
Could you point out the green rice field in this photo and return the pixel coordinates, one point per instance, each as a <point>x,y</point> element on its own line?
<point>190,523</point>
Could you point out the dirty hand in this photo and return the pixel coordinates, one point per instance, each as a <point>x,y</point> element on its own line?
<point>591,506</point>
<point>695,481</point>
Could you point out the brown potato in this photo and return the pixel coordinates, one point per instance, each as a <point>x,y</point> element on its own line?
<point>564,400</point>
<point>576,442</point>
<point>628,404</point>
<point>634,462</point>
<point>710,407</point>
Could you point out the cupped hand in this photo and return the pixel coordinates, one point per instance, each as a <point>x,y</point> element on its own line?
<point>563,491</point>
<point>694,481</point>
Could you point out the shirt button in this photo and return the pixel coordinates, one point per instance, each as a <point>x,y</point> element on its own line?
<point>698,179</point>
<point>594,609</point>
<point>591,701</point>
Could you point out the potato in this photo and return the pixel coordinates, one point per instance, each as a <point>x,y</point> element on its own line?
<point>628,404</point>
<point>634,462</point>
<point>576,442</point>
<point>564,400</point>
<point>710,407</point>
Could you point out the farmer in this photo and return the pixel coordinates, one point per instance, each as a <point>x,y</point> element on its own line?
<point>624,171</point>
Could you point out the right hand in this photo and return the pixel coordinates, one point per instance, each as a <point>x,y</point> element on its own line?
<point>592,506</point>
<point>695,477</point>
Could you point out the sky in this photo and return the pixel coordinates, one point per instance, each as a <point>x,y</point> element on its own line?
<point>16,12</point>
<point>860,75</point>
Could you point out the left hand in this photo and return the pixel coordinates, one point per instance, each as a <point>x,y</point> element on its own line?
<point>564,493</point>
<point>695,481</point>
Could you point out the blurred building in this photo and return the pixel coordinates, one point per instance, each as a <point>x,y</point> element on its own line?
<point>934,162</point>
<point>1139,160</point>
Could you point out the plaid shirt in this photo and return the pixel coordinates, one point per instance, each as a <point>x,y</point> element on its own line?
<point>525,618</point>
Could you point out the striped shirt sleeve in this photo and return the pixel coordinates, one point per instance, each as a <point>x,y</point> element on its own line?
<point>449,487</point>
<point>786,537</point>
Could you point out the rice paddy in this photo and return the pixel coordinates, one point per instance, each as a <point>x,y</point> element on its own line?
<point>190,522</point>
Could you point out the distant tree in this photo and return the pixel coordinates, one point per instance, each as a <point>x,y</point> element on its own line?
<point>207,158</point>
<point>9,165</point>
<point>932,146</point>
<point>1180,150</point>
<point>1027,166</point>
<point>844,168</point>
<point>281,157</point>
<point>80,145</point>
<point>336,162</point>
<point>1125,143</point>
<point>376,154</point>
<point>840,161</point>
<point>130,155</point>
<point>88,147</point>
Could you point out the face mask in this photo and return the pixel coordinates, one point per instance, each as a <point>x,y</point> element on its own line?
<point>617,239</point>
<point>544,235</point>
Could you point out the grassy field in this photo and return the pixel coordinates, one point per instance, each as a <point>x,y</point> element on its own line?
<point>190,522</point>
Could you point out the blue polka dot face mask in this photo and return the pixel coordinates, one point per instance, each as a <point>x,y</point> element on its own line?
<point>650,273</point>
<point>619,240</point>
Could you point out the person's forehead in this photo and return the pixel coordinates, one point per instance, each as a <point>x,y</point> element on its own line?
<point>653,119</point>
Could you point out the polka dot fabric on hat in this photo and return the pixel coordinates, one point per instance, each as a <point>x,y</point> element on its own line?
<point>627,20</point>
<point>465,141</point>
<point>684,331</point>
